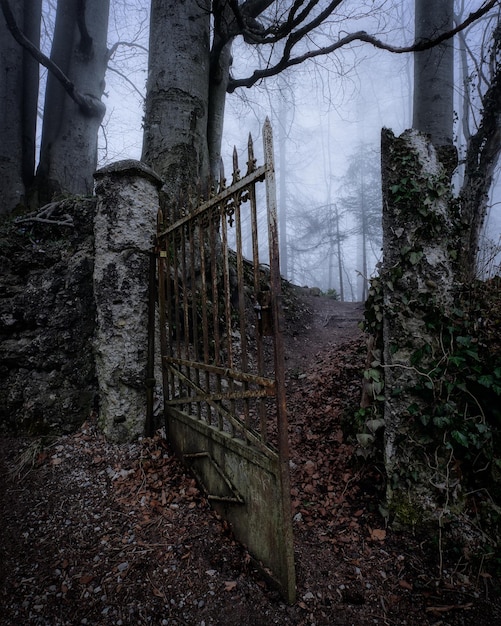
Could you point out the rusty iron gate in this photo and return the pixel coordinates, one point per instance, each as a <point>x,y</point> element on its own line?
<point>223,362</point>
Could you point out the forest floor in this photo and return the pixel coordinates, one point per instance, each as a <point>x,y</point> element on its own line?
<point>100,534</point>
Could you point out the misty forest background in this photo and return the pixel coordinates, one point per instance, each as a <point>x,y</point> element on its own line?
<point>327,114</point>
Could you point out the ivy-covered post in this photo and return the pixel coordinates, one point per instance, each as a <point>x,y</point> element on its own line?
<point>417,285</point>
<point>124,228</point>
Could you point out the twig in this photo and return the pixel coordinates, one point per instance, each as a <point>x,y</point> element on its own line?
<point>44,215</point>
<point>449,607</point>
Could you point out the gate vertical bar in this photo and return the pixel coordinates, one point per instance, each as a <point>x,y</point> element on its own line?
<point>162,247</point>
<point>277,313</point>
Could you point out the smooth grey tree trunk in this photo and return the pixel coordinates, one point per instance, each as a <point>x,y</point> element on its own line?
<point>434,72</point>
<point>282,207</point>
<point>68,155</point>
<point>177,99</point>
<point>218,83</point>
<point>18,106</point>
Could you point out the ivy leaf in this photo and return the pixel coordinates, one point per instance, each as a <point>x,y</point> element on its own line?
<point>365,439</point>
<point>372,374</point>
<point>374,425</point>
<point>415,257</point>
<point>460,438</point>
<point>486,380</point>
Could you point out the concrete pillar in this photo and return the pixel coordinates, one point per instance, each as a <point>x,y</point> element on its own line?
<point>124,228</point>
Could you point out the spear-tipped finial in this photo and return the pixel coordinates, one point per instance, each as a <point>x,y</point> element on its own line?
<point>222,179</point>
<point>251,163</point>
<point>236,171</point>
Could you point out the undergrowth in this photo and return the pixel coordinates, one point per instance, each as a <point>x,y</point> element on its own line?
<point>456,415</point>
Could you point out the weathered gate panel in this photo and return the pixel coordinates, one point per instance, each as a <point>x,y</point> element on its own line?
<point>223,367</point>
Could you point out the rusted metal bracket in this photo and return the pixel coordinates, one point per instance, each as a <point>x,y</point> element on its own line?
<point>264,313</point>
<point>236,498</point>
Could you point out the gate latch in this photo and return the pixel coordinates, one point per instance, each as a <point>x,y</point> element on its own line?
<point>263,313</point>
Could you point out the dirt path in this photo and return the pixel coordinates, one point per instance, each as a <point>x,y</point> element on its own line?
<point>98,534</point>
<point>324,324</point>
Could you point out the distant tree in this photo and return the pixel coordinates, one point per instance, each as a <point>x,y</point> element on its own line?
<point>361,200</point>
<point>316,246</point>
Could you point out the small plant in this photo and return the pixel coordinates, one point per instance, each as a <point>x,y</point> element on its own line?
<point>332,293</point>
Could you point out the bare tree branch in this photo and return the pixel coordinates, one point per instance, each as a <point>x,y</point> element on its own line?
<point>287,60</point>
<point>125,44</point>
<point>127,80</point>
<point>89,105</point>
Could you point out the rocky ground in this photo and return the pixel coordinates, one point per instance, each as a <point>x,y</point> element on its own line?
<point>100,534</point>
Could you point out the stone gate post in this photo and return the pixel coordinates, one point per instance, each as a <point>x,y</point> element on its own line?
<point>124,227</point>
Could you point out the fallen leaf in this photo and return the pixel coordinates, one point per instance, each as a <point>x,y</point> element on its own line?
<point>405,585</point>
<point>86,579</point>
<point>378,534</point>
<point>229,585</point>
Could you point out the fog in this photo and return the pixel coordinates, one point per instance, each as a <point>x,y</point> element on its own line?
<point>322,112</point>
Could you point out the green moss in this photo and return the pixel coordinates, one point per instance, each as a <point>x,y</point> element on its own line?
<point>405,512</point>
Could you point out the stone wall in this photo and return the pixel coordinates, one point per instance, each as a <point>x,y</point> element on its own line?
<point>74,290</point>
<point>47,322</point>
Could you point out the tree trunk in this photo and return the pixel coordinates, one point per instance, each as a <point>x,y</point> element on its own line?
<point>417,282</point>
<point>282,209</point>
<point>218,83</point>
<point>482,156</point>
<point>68,155</point>
<point>434,72</point>
<point>176,113</point>
<point>18,106</point>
